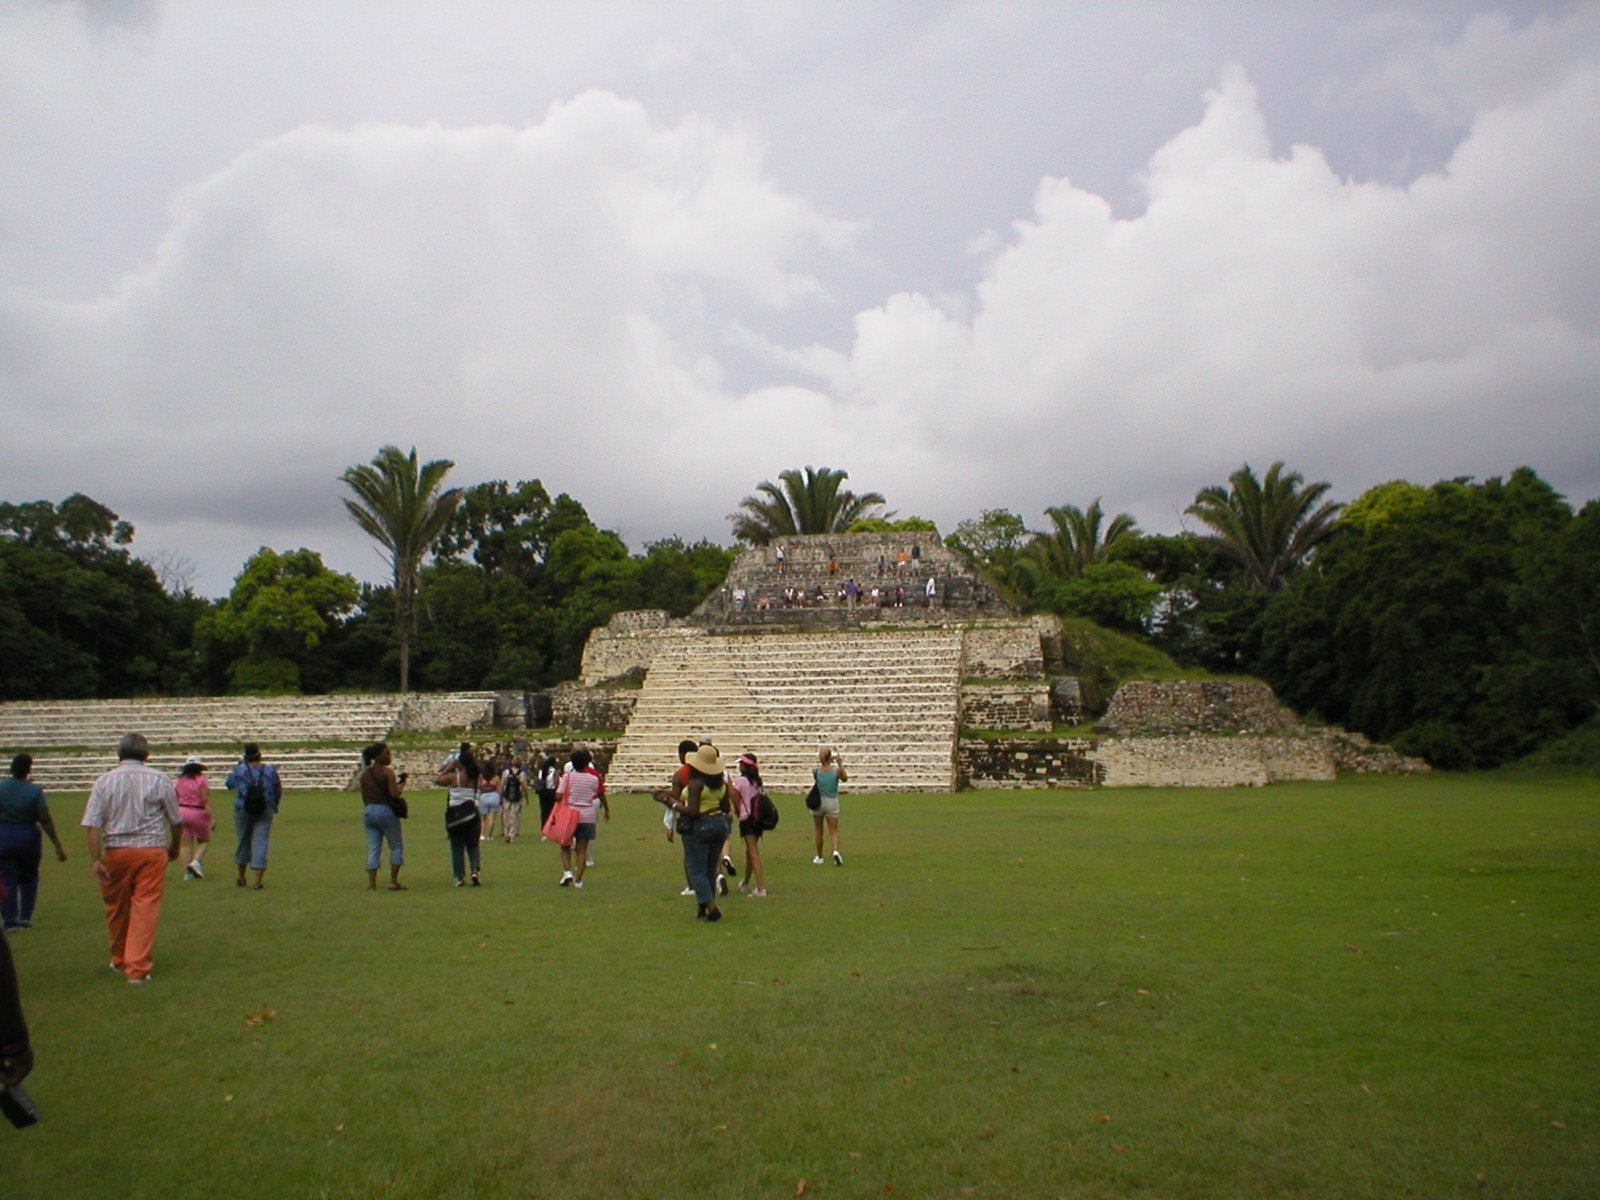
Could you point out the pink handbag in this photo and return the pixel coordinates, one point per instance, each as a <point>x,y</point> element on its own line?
<point>562,823</point>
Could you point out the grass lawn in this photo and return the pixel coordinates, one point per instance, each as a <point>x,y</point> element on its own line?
<point>1379,988</point>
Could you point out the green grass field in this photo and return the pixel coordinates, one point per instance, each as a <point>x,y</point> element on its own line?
<point>1376,988</point>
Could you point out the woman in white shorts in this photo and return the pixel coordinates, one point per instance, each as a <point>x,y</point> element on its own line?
<point>828,774</point>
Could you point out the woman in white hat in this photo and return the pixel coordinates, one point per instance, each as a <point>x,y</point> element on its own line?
<point>702,809</point>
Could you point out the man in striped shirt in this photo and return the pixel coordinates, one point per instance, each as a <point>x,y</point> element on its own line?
<point>133,828</point>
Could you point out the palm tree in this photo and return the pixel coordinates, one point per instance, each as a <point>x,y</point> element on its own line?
<point>1269,525</point>
<point>1075,539</point>
<point>399,505</point>
<point>806,503</point>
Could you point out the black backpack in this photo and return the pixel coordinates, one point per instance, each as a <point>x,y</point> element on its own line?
<point>511,788</point>
<point>765,812</point>
<point>255,790</point>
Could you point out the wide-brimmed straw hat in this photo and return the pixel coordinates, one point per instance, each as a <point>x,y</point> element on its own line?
<point>706,760</point>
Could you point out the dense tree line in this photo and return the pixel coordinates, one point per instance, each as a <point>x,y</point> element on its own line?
<point>1459,621</point>
<point>514,583</point>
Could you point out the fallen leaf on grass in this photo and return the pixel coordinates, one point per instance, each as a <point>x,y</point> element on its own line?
<point>259,1018</point>
<point>719,1129</point>
<point>1366,1089</point>
<point>988,1131</point>
<point>1142,992</point>
<point>800,1188</point>
<point>1102,1118</point>
<point>1559,1124</point>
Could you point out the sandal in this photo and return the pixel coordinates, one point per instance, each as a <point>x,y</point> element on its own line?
<point>397,887</point>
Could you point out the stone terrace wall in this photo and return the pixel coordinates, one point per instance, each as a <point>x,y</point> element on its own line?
<point>959,587</point>
<point>1005,705</point>
<point>623,649</point>
<point>1211,761</point>
<point>574,706</point>
<point>454,710</point>
<point>1211,706</point>
<point>1026,763</point>
<point>1001,650</point>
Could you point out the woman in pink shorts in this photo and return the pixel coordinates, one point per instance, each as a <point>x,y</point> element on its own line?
<point>194,806</point>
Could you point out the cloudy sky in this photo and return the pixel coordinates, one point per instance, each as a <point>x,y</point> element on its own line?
<point>980,255</point>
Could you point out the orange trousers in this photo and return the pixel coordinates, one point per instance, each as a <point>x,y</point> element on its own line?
<point>133,905</point>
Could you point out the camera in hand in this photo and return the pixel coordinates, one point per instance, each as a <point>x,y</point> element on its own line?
<point>18,1106</point>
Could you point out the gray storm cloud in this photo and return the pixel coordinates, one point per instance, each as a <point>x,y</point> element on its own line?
<point>602,298</point>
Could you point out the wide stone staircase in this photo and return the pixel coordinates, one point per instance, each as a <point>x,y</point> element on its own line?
<point>314,740</point>
<point>76,771</point>
<point>887,702</point>
<point>212,720</point>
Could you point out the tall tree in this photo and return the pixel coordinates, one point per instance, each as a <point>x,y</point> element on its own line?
<point>280,609</point>
<point>400,506</point>
<point>811,502</point>
<point>1419,621</point>
<point>1269,525</point>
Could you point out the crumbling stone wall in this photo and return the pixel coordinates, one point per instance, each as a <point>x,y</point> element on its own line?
<point>1148,709</point>
<point>1355,754</point>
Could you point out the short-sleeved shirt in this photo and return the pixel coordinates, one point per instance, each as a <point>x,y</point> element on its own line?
<point>239,780</point>
<point>746,791</point>
<point>22,802</point>
<point>583,789</point>
<point>133,805</point>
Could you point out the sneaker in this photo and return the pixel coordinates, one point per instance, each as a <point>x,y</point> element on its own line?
<point>759,893</point>
<point>687,892</point>
<point>817,861</point>
<point>461,883</point>
<point>142,979</point>
<point>577,883</point>
<point>567,879</point>
<point>475,882</point>
<point>743,886</point>
<point>188,874</point>
<point>195,867</point>
<point>727,866</point>
<point>722,885</point>
<point>838,859</point>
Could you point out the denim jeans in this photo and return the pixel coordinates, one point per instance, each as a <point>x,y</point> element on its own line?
<point>20,850</point>
<point>701,847</point>
<point>381,823</point>
<point>254,830</point>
